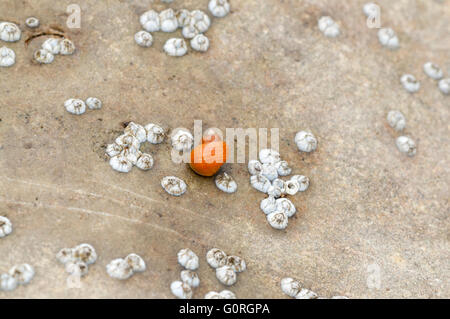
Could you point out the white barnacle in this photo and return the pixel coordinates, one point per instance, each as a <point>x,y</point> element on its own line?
<point>269,171</point>
<point>410,83</point>
<point>67,47</point>
<point>173,185</point>
<point>303,182</point>
<point>268,205</point>
<point>85,253</point>
<point>292,187</point>
<point>169,21</point>
<point>93,103</point>
<point>5,227</point>
<point>189,32</point>
<point>226,275</point>
<point>7,57</point>
<point>184,18</point>
<point>182,140</point>
<point>290,286</point>
<point>200,43</point>
<point>32,22</point>
<point>226,294</point>
<point>155,133</point>
<point>181,290</point>
<point>254,167</point>
<point>306,294</point>
<point>75,106</point>
<point>43,56</point>
<point>406,145</point>
<point>213,295</point>
<point>260,183</point>
<point>121,164</point>
<point>22,273</point>
<point>219,8</point>
<point>388,38</point>
<point>396,120</point>
<point>226,183</point>
<point>269,156</point>
<point>370,9</point>
<point>9,32</point>
<point>328,27</point>
<point>200,20</point>
<point>52,45</point>
<point>277,220</point>
<point>280,184</point>
<point>216,257</point>
<point>188,259</point>
<point>306,141</point>
<point>136,262</point>
<point>137,131</point>
<point>433,71</point>
<point>128,140</point>
<point>175,47</point>
<point>150,21</point>
<point>65,255</point>
<point>236,263</point>
<point>143,39</point>
<point>8,282</point>
<point>119,268</point>
<point>145,162</point>
<point>283,168</point>
<point>286,206</point>
<point>190,277</point>
<point>444,86</point>
<point>274,191</point>
<point>77,267</point>
<point>113,149</point>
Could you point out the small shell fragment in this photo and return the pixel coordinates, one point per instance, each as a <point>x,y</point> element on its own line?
<point>136,262</point>
<point>306,141</point>
<point>254,167</point>
<point>444,86</point>
<point>145,162</point>
<point>406,145</point>
<point>93,103</point>
<point>260,183</point>
<point>286,206</point>
<point>181,290</point>
<point>174,185</point>
<point>9,32</point>
<point>52,45</point>
<point>188,259</point>
<point>5,227</point>
<point>182,140</point>
<point>226,183</point>
<point>396,120</point>
<point>268,205</point>
<point>67,47</point>
<point>32,22</point>
<point>143,39</point>
<point>75,106</point>
<point>150,21</point>
<point>120,269</point>
<point>328,27</point>
<point>155,133</point>
<point>7,57</point>
<point>43,56</point>
<point>278,220</point>
<point>8,282</point>
<point>175,47</point>
<point>290,286</point>
<point>388,38</point>
<point>433,71</point>
<point>190,277</point>
<point>22,273</point>
<point>236,263</point>
<point>216,257</point>
<point>410,83</point>
<point>219,8</point>
<point>168,20</point>
<point>200,43</point>
<point>226,275</point>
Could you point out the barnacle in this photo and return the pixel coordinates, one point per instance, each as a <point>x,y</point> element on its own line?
<point>236,263</point>
<point>174,185</point>
<point>189,32</point>
<point>168,19</point>
<point>77,267</point>
<point>200,20</point>
<point>143,39</point>
<point>182,140</point>
<point>219,8</point>
<point>137,131</point>
<point>306,141</point>
<point>292,187</point>
<point>121,164</point>
<point>150,21</point>
<point>396,120</point>
<point>136,262</point>
<point>260,183</point>
<point>254,167</point>
<point>155,133</point>
<point>43,56</point>
<point>290,286</point>
<point>5,226</point>
<point>93,103</point>
<point>224,294</point>
<point>7,57</point>
<point>22,273</point>
<point>67,47</point>
<point>388,38</point>
<point>406,145</point>
<point>175,47</point>
<point>269,156</point>
<point>328,27</point>
<point>32,22</point>
<point>65,255</point>
<point>9,32</point>
<point>269,171</point>
<point>85,253</point>
<point>286,206</point>
<point>444,86</point>
<point>433,71</point>
<point>75,106</point>
<point>52,45</point>
<point>280,185</point>
<point>145,162</point>
<point>120,269</point>
<point>200,43</point>
<point>113,149</point>
<point>226,183</point>
<point>278,220</point>
<point>268,205</point>
<point>303,182</point>
<point>306,294</point>
<point>226,275</point>
<point>190,277</point>
<point>216,257</point>
<point>181,290</point>
<point>188,259</point>
<point>8,282</point>
<point>410,83</point>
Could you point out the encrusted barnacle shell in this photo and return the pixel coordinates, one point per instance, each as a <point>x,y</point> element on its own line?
<point>286,206</point>
<point>410,83</point>
<point>274,191</point>
<point>184,17</point>
<point>278,220</point>
<point>188,259</point>
<point>143,39</point>
<point>174,185</point>
<point>52,45</point>
<point>292,187</point>
<point>269,171</point>
<point>181,290</point>
<point>189,32</point>
<point>236,263</point>
<point>77,267</point>
<point>67,47</point>
<point>290,286</point>
<point>121,164</point>
<point>85,253</point>
<point>136,262</point>
<point>283,168</point>
<point>9,32</point>
<point>254,167</point>
<point>7,57</point>
<point>32,22</point>
<point>200,20</point>
<point>175,47</point>
<point>168,20</point>
<point>93,103</point>
<point>155,133</point>
<point>388,38</point>
<point>137,131</point>
<point>268,205</point>
<point>269,156</point>
<point>120,269</point>
<point>182,140</point>
<point>5,226</point>
<point>216,257</point>
<point>260,183</point>
<point>433,71</point>
<point>200,43</point>
<point>396,120</point>
<point>406,145</point>
<point>219,8</point>
<point>22,273</point>
<point>226,275</point>
<point>306,141</point>
<point>190,277</point>
<point>145,162</point>
<point>150,21</point>
<point>75,106</point>
<point>280,184</point>
<point>328,27</point>
<point>303,182</point>
<point>43,56</point>
<point>306,294</point>
<point>226,183</point>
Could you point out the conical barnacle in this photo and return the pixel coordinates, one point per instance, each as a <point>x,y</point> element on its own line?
<point>137,131</point>
<point>175,47</point>
<point>370,9</point>
<point>254,167</point>
<point>306,294</point>
<point>274,191</point>
<point>145,162</point>
<point>150,21</point>
<point>303,182</point>
<point>85,253</point>
<point>190,277</point>
<point>216,257</point>
<point>77,268</point>
<point>113,149</point>
<point>226,183</point>
<point>5,226</point>
<point>182,140</point>
<point>174,185</point>
<point>143,39</point>
<point>278,220</point>
<point>120,269</point>
<point>8,282</point>
<point>155,133</point>
<point>136,262</point>
<point>268,205</point>
<point>219,8</point>
<point>410,83</point>
<point>328,27</point>
<point>188,259</point>
<point>65,255</point>
<point>281,185</point>
<point>200,43</point>
<point>181,290</point>
<point>269,156</point>
<point>290,286</point>
<point>433,71</point>
<point>306,141</point>
<point>444,86</point>
<point>52,45</point>
<point>184,17</point>
<point>189,32</point>
<point>224,294</point>
<point>286,206</point>
<point>168,20</point>
<point>22,273</point>
<point>9,32</point>
<point>128,140</point>
<point>292,187</point>
<point>7,57</point>
<point>32,22</point>
<point>120,163</point>
<point>75,106</point>
<point>396,120</point>
<point>406,145</point>
<point>226,275</point>
<point>283,168</point>
<point>43,56</point>
<point>93,103</point>
<point>236,263</point>
<point>67,47</point>
<point>200,20</point>
<point>260,183</point>
<point>388,38</point>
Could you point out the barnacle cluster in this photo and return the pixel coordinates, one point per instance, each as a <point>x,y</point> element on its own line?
<point>77,260</point>
<point>226,266</point>
<point>124,268</point>
<point>189,278</point>
<point>51,47</point>
<point>17,275</point>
